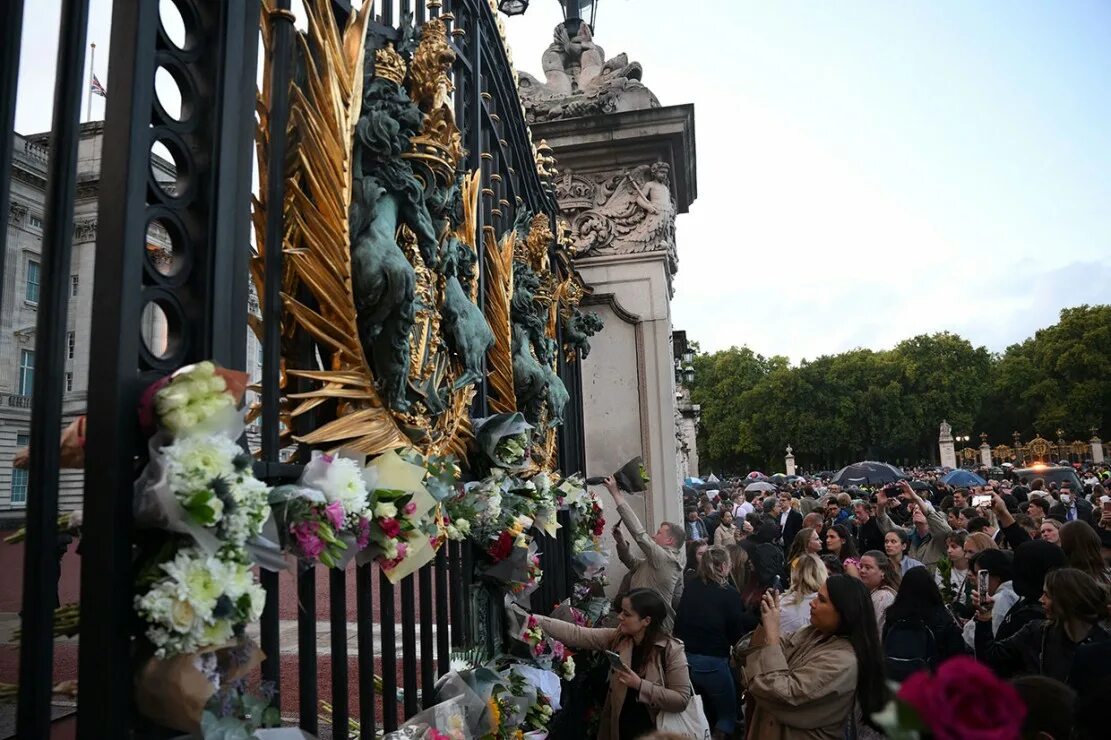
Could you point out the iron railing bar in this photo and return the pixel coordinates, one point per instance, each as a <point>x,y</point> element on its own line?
<point>443,630</point>
<point>337,612</point>
<point>456,602</point>
<point>387,623</point>
<point>278,119</point>
<point>427,639</point>
<point>40,563</point>
<point>408,647</point>
<point>306,648</point>
<point>364,605</point>
<point>104,657</point>
<point>11,38</point>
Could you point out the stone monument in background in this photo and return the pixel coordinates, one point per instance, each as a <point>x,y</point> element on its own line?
<point>626,170</point>
<point>945,442</point>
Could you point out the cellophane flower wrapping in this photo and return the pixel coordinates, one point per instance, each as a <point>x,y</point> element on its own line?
<point>504,439</point>
<point>175,690</point>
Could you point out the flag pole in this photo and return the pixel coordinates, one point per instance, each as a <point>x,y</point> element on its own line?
<point>89,88</point>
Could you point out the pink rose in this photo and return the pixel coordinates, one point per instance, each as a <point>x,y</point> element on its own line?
<point>308,543</point>
<point>558,650</point>
<point>390,527</point>
<point>402,549</point>
<point>964,700</point>
<point>334,512</point>
<point>410,508</point>
<point>362,533</point>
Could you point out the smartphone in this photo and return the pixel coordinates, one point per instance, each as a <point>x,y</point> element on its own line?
<point>615,660</point>
<point>1106,501</point>
<point>982,586</point>
<point>978,501</point>
<point>777,585</point>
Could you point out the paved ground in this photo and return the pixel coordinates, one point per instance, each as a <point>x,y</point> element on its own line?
<point>65,650</point>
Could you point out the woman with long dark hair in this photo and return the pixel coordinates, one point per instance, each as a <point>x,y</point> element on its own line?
<point>896,544</point>
<point>919,632</point>
<point>803,685</point>
<point>653,677</point>
<point>840,543</point>
<point>1074,605</point>
<point>1082,548</point>
<point>882,578</point>
<point>711,618</point>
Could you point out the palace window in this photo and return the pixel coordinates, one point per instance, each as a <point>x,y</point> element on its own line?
<point>26,372</point>
<point>71,344</point>
<point>32,291</point>
<point>69,382</point>
<point>73,281</point>
<point>19,477</point>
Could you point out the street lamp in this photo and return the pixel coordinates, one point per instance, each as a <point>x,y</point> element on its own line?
<point>688,374</point>
<point>513,7</point>
<point>572,11</point>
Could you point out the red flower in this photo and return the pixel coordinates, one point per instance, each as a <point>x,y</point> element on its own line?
<point>501,549</point>
<point>390,527</point>
<point>964,700</point>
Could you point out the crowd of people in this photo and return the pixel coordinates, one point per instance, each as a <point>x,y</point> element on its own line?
<point>787,610</point>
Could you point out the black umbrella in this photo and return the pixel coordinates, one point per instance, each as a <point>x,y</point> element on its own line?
<point>874,473</point>
<point>920,485</point>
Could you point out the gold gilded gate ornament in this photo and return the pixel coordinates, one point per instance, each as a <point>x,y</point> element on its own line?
<point>380,260</point>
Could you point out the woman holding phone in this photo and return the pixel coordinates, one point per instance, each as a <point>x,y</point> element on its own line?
<point>805,685</point>
<point>649,675</point>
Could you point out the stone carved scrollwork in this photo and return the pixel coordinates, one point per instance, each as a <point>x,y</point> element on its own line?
<point>85,230</point>
<point>625,214</point>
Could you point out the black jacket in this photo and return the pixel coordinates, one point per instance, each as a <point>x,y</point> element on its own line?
<point>869,536</point>
<point>948,638</point>
<point>1021,613</point>
<point>711,618</point>
<point>1040,647</point>
<point>1060,512</point>
<point>791,527</point>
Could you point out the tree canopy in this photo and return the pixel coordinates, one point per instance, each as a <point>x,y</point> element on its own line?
<point>888,404</point>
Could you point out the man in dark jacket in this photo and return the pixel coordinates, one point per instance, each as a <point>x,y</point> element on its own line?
<point>790,521</point>
<point>1071,507</point>
<point>869,536</point>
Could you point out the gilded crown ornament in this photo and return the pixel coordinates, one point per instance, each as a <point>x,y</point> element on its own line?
<point>389,65</point>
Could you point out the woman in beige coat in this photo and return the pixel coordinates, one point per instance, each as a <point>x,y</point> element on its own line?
<point>805,685</point>
<point>653,677</point>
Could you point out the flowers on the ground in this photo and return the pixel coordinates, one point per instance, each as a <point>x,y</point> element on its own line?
<point>199,601</point>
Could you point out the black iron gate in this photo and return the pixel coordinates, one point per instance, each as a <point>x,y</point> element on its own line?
<point>203,297</point>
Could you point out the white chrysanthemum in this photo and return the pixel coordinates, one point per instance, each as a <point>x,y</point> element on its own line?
<point>339,479</point>
<point>193,462</point>
<point>542,483</point>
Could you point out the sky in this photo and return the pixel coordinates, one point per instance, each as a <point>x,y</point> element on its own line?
<point>868,170</point>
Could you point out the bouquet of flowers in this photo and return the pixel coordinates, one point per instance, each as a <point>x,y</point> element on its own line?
<point>211,478</point>
<point>504,439</point>
<point>197,601</point>
<point>325,518</point>
<point>403,531</point>
<point>197,397</point>
<point>533,575</point>
<point>313,528</point>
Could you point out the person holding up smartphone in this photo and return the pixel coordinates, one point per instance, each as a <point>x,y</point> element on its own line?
<point>648,672</point>
<point>928,528</point>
